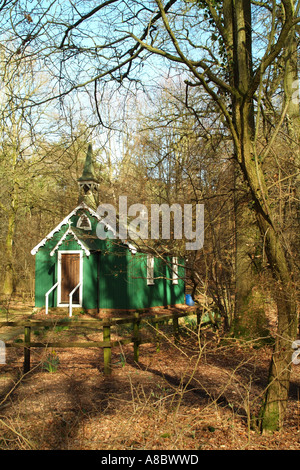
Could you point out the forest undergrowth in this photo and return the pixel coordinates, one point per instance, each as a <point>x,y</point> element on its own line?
<point>201,393</point>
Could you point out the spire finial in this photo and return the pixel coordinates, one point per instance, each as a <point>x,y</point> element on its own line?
<point>87,180</point>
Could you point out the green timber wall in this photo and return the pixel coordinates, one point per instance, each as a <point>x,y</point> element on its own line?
<point>123,283</point>
<point>113,278</point>
<point>45,277</point>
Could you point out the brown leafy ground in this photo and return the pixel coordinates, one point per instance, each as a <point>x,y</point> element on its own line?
<point>197,395</point>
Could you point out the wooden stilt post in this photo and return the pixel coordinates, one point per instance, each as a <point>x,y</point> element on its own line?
<point>27,349</point>
<point>107,351</point>
<point>136,338</point>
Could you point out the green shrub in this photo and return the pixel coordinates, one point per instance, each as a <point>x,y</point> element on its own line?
<point>51,363</point>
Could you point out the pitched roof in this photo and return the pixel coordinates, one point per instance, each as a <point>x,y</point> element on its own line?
<point>81,238</point>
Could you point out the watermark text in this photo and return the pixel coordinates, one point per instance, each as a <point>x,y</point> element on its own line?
<point>162,221</point>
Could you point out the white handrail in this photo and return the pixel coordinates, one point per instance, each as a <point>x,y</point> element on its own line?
<point>70,298</point>
<point>47,295</point>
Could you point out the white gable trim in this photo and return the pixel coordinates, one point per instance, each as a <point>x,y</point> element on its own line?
<point>66,220</point>
<point>70,231</point>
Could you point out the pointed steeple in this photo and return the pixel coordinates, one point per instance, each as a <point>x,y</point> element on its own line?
<point>88,180</point>
<point>88,183</point>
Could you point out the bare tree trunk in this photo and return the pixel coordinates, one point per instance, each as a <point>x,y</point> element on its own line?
<point>249,316</point>
<point>246,323</point>
<point>275,401</point>
<point>276,397</point>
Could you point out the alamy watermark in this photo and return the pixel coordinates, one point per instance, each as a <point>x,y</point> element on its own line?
<point>296,353</point>
<point>187,221</point>
<point>2,352</point>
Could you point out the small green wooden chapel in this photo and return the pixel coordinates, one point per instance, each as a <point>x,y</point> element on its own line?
<point>75,268</point>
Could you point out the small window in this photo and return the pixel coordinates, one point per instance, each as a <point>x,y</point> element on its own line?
<point>174,270</point>
<point>84,222</point>
<point>150,270</point>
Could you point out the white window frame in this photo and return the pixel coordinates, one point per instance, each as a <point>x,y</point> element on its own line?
<point>174,270</point>
<point>150,270</point>
<point>63,252</point>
